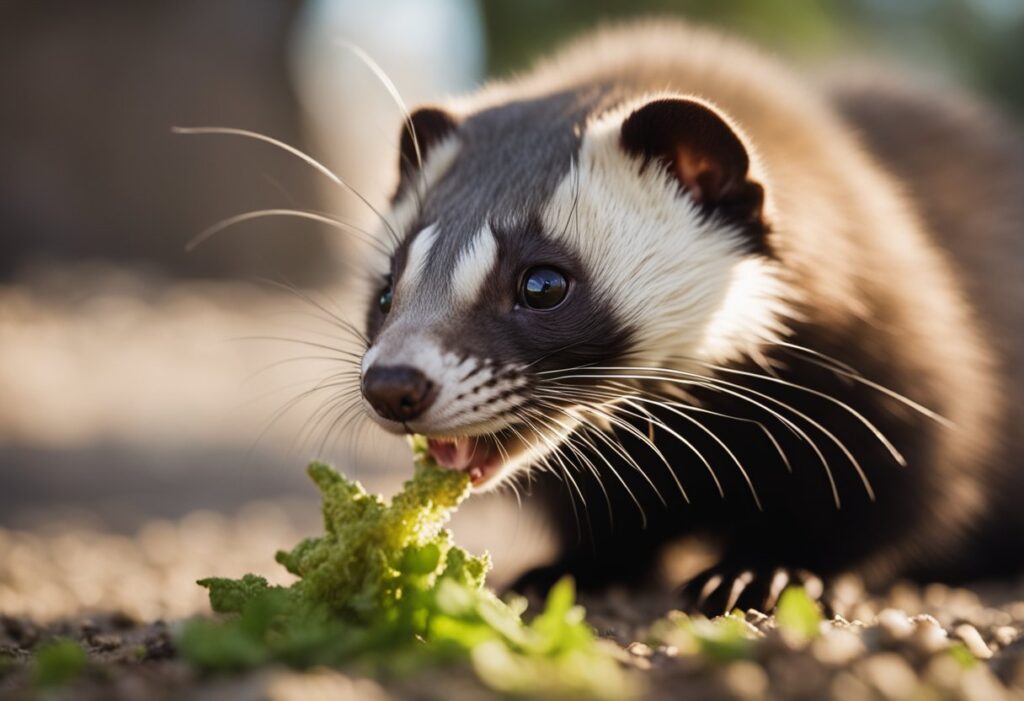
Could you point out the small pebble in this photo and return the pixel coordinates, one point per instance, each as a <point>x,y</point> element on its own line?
<point>906,597</point>
<point>895,623</point>
<point>864,611</point>
<point>929,636</point>
<point>762,622</point>
<point>973,640</point>
<point>108,641</point>
<point>890,674</point>
<point>847,687</point>
<point>1016,610</point>
<point>979,684</point>
<point>943,671</point>
<point>746,680</point>
<point>838,647</point>
<point>639,649</point>
<point>1005,635</point>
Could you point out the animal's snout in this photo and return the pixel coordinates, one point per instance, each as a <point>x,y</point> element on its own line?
<point>398,392</point>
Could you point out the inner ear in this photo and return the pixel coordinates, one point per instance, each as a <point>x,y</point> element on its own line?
<point>425,128</point>
<point>699,148</point>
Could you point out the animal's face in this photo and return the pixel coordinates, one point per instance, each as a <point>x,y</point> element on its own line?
<point>538,247</point>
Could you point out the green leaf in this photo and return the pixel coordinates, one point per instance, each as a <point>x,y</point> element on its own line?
<point>798,615</point>
<point>231,595</point>
<point>420,560</point>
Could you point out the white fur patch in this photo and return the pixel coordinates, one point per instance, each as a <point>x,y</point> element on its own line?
<point>474,266</point>
<point>403,214</point>
<point>683,281</point>
<point>415,262</point>
<point>435,164</point>
<point>467,400</point>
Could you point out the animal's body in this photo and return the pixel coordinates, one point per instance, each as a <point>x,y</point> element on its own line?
<point>660,263</point>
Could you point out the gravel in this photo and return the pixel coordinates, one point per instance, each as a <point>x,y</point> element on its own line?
<point>122,598</point>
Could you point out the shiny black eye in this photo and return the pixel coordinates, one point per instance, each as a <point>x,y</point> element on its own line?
<point>384,301</point>
<point>543,288</point>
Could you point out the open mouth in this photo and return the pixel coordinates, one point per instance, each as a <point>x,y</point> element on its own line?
<point>481,457</point>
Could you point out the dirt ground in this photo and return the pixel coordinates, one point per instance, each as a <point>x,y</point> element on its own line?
<point>113,504</point>
<point>106,591</point>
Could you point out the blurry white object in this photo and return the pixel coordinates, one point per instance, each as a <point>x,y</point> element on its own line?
<point>428,48</point>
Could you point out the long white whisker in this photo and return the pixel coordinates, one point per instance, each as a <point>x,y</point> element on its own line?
<point>696,452</point>
<point>711,434</point>
<point>553,447</point>
<point>392,89</point>
<point>223,224</point>
<point>334,318</point>
<point>826,432</point>
<point>897,456</point>
<point>857,377</point>
<point>625,485</point>
<point>818,354</point>
<point>610,417</point>
<point>568,442</point>
<point>309,160</point>
<point>715,384</point>
<point>687,405</point>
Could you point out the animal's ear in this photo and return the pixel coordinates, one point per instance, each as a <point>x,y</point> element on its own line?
<point>424,129</point>
<point>699,148</point>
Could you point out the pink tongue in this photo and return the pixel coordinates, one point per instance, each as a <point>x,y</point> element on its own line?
<point>475,456</point>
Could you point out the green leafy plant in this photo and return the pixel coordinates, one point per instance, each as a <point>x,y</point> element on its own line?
<point>385,590</point>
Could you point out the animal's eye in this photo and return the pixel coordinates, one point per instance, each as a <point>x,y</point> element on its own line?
<point>543,288</point>
<point>384,301</point>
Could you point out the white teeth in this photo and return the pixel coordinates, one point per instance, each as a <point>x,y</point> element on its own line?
<point>475,474</point>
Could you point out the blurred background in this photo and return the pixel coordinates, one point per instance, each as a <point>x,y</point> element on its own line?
<point>157,407</point>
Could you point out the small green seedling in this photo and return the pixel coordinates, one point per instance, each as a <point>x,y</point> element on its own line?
<point>385,590</point>
<point>718,640</point>
<point>57,663</point>
<point>798,616</point>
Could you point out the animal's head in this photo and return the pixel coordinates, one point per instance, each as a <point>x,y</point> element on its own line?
<point>542,243</point>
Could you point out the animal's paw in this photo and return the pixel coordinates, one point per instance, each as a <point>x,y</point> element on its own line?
<point>720,589</point>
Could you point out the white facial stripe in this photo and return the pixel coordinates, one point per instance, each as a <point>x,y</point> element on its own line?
<point>416,261</point>
<point>474,266</point>
<point>469,397</point>
<point>403,214</point>
<point>476,408</point>
<point>681,279</point>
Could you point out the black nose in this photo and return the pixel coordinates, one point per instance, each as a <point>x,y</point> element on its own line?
<point>398,392</point>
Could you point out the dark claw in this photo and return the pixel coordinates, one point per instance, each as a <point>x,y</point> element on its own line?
<point>721,589</point>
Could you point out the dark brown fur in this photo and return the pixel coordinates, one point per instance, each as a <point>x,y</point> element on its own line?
<point>885,302</point>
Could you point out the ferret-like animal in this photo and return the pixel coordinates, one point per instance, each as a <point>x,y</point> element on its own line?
<point>670,288</point>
